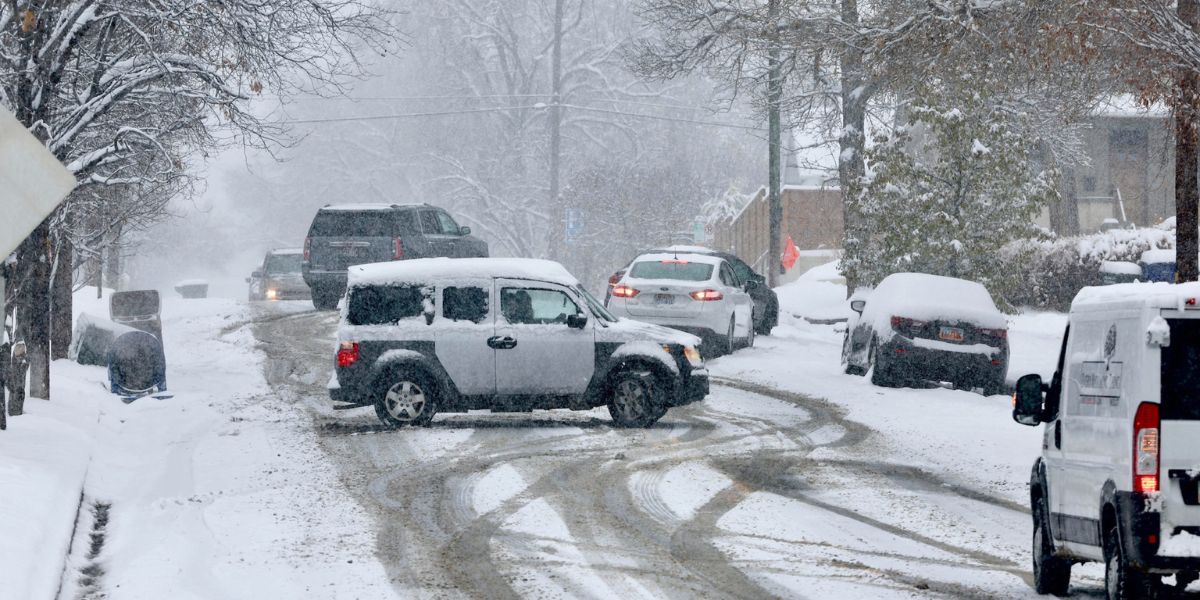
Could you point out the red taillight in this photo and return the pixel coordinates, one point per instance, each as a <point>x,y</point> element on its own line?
<point>397,249</point>
<point>996,333</point>
<point>706,295</point>
<point>673,261</point>
<point>906,323</point>
<point>307,248</point>
<point>347,354</point>
<point>624,291</point>
<point>1145,448</point>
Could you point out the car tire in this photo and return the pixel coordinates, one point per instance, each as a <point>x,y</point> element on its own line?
<point>1051,574</point>
<point>729,342</point>
<point>881,372</point>
<point>406,397</point>
<point>1121,580</point>
<point>769,320</point>
<point>324,299</point>
<point>635,400</point>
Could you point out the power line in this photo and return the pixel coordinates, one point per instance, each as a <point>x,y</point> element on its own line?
<point>504,96</point>
<point>663,118</point>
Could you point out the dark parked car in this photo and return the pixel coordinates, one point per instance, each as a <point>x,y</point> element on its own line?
<point>353,234</point>
<point>280,277</point>
<point>766,302</point>
<point>915,327</point>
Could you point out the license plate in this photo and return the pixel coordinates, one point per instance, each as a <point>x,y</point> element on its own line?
<point>664,299</point>
<point>950,334</point>
<point>350,251</point>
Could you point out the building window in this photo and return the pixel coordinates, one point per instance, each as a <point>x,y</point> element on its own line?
<point>1089,183</point>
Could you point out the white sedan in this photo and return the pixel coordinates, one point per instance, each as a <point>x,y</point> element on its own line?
<point>694,293</point>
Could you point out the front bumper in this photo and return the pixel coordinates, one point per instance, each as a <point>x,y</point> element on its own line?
<point>693,388</point>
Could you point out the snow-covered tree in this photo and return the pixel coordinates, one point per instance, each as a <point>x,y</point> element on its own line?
<point>948,189</point>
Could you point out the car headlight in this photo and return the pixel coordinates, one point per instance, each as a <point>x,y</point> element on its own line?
<point>272,294</point>
<point>693,356</point>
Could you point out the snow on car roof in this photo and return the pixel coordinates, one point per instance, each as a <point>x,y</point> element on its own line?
<point>687,249</point>
<point>707,259</point>
<point>367,206</point>
<point>933,297</point>
<point>427,270</point>
<point>1152,295</point>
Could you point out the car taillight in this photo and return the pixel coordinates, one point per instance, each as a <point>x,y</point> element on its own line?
<point>706,295</point>
<point>624,291</point>
<point>996,333</point>
<point>307,248</point>
<point>902,323</point>
<point>347,354</point>
<point>1145,448</point>
<point>397,249</point>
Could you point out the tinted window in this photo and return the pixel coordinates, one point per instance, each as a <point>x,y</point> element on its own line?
<point>284,263</point>
<point>742,270</point>
<point>727,277</point>
<point>534,306</point>
<point>1181,371</point>
<point>670,269</point>
<point>383,305</point>
<point>345,223</point>
<point>429,222</point>
<point>465,304</point>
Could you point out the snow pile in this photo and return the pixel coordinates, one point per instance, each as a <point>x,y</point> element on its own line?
<point>819,295</point>
<point>1181,544</point>
<point>424,270</point>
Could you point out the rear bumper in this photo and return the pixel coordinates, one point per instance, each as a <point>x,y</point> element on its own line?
<point>705,323</point>
<point>1138,526</point>
<point>916,362</point>
<point>325,279</point>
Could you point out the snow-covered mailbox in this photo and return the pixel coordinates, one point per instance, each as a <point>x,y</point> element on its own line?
<point>192,288</point>
<point>1119,272</point>
<point>134,358</point>
<point>1158,264</point>
<point>138,309</point>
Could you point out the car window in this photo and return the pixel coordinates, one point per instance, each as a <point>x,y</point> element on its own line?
<point>742,270</point>
<point>727,277</point>
<point>465,304</point>
<point>430,223</point>
<point>284,263</point>
<point>536,306</point>
<point>1180,378</point>
<point>346,223</point>
<point>382,305</point>
<point>448,226</point>
<point>671,269</point>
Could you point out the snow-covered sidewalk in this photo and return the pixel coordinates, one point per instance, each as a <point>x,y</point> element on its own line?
<point>219,492</point>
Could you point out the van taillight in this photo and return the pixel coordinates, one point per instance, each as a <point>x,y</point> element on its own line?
<point>1145,448</point>
<point>397,249</point>
<point>347,354</point>
<point>307,248</point>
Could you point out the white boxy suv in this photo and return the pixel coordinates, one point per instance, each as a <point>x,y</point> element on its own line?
<point>511,335</point>
<point>1117,479</point>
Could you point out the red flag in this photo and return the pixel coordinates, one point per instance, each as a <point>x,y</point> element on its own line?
<point>790,254</point>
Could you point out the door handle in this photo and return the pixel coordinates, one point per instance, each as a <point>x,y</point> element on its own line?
<point>502,342</point>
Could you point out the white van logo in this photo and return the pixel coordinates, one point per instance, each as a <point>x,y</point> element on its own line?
<point>1110,342</point>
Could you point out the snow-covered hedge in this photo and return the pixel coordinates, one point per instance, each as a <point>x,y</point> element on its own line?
<point>1048,273</point>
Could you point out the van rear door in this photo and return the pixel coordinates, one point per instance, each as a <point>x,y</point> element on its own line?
<point>1179,410</point>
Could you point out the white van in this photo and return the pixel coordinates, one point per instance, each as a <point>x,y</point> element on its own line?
<point>1117,479</point>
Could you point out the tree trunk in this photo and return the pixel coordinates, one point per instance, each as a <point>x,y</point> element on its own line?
<point>61,297</point>
<point>35,309</point>
<point>1187,229</point>
<point>775,207</point>
<point>850,160</point>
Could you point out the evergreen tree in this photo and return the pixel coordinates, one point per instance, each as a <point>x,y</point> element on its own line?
<point>947,190</point>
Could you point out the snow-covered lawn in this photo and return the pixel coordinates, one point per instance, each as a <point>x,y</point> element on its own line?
<point>219,492</point>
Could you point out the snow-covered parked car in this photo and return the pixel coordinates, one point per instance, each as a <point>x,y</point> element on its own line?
<point>916,327</point>
<point>696,293</point>
<point>1118,476</point>
<point>510,335</point>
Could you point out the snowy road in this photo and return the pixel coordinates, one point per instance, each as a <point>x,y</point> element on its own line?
<point>755,492</point>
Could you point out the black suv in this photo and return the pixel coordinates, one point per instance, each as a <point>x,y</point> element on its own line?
<point>353,234</point>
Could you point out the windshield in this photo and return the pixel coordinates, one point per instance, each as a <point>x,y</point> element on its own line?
<point>671,269</point>
<point>595,305</point>
<point>284,263</point>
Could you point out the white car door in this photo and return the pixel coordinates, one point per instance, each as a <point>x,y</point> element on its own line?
<point>741,304</point>
<point>466,322</point>
<point>537,351</point>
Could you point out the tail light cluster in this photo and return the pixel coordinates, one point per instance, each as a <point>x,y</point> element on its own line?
<point>906,325</point>
<point>347,354</point>
<point>706,295</point>
<point>397,249</point>
<point>999,334</point>
<point>1145,448</point>
<point>307,248</point>
<point>624,291</point>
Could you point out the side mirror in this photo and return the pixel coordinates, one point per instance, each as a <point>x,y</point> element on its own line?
<point>751,285</point>
<point>858,305</point>
<point>1029,400</point>
<point>256,274</point>
<point>464,230</point>
<point>577,321</point>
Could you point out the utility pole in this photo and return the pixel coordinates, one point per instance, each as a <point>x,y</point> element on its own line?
<point>1187,195</point>
<point>774,96</point>
<point>556,110</point>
